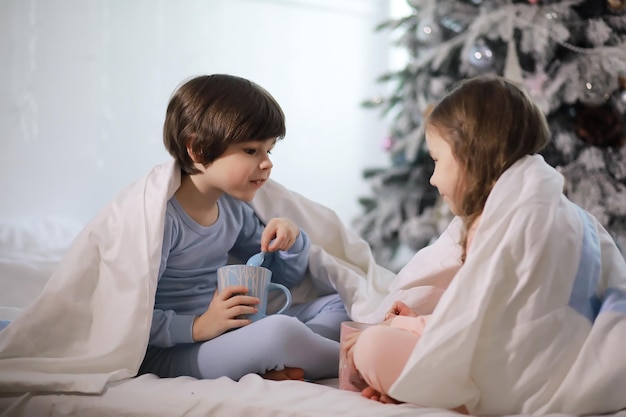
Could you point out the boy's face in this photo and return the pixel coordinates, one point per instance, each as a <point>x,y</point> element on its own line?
<point>241,170</point>
<point>447,173</point>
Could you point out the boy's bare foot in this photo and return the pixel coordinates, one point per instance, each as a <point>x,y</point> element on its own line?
<point>286,374</point>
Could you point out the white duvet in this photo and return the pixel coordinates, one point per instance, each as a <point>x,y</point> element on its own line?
<point>91,323</point>
<point>534,322</point>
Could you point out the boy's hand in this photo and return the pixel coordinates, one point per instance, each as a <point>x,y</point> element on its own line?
<point>279,234</point>
<point>224,313</point>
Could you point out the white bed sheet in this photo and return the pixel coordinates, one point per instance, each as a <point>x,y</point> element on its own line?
<point>252,396</point>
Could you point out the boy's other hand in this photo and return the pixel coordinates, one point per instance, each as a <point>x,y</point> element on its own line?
<point>279,234</point>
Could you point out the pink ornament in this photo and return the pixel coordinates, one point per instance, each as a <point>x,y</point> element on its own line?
<point>387,143</point>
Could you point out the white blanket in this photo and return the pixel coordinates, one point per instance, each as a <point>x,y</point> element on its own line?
<point>535,320</point>
<point>91,323</point>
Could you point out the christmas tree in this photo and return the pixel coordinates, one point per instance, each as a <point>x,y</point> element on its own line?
<point>570,56</point>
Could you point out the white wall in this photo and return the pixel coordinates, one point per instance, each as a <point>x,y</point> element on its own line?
<point>84,85</point>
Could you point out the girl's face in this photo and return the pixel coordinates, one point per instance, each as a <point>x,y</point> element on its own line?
<point>447,172</point>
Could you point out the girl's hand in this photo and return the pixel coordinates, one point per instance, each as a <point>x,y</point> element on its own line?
<point>224,313</point>
<point>400,309</point>
<point>279,234</point>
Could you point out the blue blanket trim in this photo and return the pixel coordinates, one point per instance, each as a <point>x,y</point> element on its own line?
<point>614,300</point>
<point>584,298</point>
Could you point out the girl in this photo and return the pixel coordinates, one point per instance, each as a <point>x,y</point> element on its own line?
<point>483,136</point>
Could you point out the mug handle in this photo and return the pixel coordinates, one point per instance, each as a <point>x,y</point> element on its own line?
<point>279,287</point>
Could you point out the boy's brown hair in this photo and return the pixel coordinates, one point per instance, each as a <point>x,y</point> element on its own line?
<point>210,112</point>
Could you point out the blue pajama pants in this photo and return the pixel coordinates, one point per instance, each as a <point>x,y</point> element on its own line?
<point>305,336</point>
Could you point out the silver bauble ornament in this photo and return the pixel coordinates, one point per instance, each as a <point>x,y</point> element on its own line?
<point>597,88</point>
<point>428,32</point>
<point>480,56</point>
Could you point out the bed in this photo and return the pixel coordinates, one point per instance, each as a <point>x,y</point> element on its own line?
<point>73,383</point>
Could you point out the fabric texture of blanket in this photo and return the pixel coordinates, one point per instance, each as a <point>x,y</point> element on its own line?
<point>91,323</point>
<point>535,320</point>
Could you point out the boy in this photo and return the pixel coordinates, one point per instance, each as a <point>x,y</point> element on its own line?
<point>221,130</point>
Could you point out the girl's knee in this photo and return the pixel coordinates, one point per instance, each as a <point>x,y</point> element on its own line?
<point>380,354</point>
<point>371,347</point>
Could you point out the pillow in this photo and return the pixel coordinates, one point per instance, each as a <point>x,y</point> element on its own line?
<point>30,249</point>
<point>44,238</point>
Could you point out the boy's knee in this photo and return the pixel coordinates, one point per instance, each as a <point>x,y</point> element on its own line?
<point>277,321</point>
<point>279,326</point>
